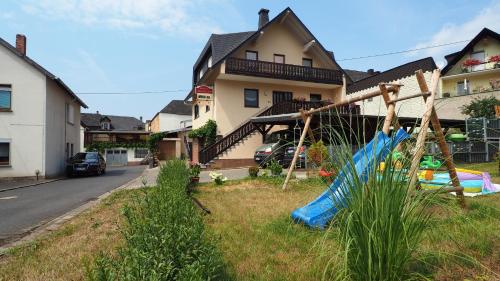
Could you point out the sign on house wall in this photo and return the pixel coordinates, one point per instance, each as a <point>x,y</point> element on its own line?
<point>203,93</point>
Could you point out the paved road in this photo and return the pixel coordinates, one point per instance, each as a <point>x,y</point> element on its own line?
<point>22,209</point>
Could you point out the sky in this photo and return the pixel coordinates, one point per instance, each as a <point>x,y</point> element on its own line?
<point>130,46</point>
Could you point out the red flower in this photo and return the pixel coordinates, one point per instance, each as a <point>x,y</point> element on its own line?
<point>495,58</point>
<point>471,62</point>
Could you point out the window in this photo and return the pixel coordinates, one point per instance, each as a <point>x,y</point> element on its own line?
<point>5,97</point>
<point>478,56</point>
<point>202,71</point>
<point>315,97</point>
<point>251,98</point>
<point>105,125</point>
<point>196,111</point>
<point>67,150</point>
<point>463,88</point>
<point>209,63</point>
<point>70,114</point>
<point>140,152</point>
<point>207,108</point>
<point>307,62</point>
<point>71,151</point>
<point>4,153</point>
<point>251,55</point>
<point>279,58</point>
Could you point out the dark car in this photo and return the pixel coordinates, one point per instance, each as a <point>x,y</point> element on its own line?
<point>273,147</point>
<point>86,163</point>
<point>290,152</point>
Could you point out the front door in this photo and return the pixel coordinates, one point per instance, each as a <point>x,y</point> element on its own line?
<point>279,96</point>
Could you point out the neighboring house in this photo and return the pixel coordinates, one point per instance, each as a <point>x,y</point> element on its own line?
<point>403,74</point>
<point>126,136</point>
<point>252,73</point>
<point>174,116</point>
<point>39,116</point>
<point>461,83</point>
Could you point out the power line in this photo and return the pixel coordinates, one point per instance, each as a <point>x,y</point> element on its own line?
<point>405,51</point>
<point>134,93</point>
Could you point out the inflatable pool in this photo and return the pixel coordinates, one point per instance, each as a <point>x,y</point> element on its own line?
<point>472,181</point>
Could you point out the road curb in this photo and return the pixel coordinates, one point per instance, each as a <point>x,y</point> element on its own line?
<point>30,185</point>
<point>54,224</point>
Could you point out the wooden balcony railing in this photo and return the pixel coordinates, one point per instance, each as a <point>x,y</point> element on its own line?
<point>212,151</point>
<point>283,71</point>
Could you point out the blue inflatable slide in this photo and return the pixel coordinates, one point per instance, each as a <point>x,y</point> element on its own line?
<point>319,212</point>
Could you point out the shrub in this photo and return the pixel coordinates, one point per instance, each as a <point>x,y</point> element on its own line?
<point>253,171</point>
<point>317,153</point>
<point>275,168</point>
<point>194,170</point>
<point>382,220</point>
<point>218,178</point>
<point>164,236</point>
<point>484,107</point>
<point>206,133</point>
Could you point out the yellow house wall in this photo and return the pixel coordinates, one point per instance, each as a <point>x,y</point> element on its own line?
<point>204,115</point>
<point>279,39</point>
<point>450,108</point>
<point>155,124</point>
<point>490,46</point>
<point>229,100</point>
<point>476,82</point>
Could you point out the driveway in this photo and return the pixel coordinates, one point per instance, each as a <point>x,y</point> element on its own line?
<point>23,209</point>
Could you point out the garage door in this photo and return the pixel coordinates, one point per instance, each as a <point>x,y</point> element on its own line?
<point>116,157</point>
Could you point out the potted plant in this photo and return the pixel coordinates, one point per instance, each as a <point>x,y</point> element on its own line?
<point>253,171</point>
<point>194,172</point>
<point>495,60</point>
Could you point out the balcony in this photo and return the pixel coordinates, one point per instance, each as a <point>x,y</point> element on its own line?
<point>283,71</point>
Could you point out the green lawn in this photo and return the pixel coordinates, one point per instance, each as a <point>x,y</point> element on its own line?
<point>251,220</point>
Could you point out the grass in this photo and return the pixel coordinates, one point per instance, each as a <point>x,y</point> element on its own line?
<point>250,218</point>
<point>62,254</point>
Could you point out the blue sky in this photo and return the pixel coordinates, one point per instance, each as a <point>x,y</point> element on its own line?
<point>151,45</point>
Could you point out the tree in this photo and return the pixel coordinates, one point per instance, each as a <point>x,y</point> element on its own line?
<point>478,107</point>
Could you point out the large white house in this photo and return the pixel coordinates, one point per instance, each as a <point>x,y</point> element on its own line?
<point>39,116</point>
<point>174,116</point>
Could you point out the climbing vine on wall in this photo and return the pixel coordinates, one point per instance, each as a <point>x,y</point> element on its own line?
<point>206,133</point>
<point>103,145</point>
<point>154,139</point>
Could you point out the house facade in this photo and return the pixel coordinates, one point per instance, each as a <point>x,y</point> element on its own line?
<point>122,139</point>
<point>174,116</point>
<point>39,116</point>
<point>473,72</point>
<point>257,72</point>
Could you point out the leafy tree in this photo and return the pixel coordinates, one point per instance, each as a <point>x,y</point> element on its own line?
<point>478,107</point>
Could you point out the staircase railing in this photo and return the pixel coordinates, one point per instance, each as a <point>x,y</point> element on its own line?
<point>210,152</point>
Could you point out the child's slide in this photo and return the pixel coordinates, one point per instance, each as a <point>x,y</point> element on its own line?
<point>320,211</point>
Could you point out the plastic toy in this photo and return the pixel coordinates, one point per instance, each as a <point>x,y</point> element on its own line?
<point>428,163</point>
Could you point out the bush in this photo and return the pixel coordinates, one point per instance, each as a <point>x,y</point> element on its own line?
<point>275,168</point>
<point>253,171</point>
<point>317,153</point>
<point>484,107</point>
<point>164,236</point>
<point>218,178</point>
<point>206,133</point>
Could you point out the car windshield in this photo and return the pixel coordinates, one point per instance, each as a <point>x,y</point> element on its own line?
<point>276,137</point>
<point>85,156</point>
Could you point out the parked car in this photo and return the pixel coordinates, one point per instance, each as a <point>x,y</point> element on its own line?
<point>288,156</point>
<point>86,163</point>
<point>273,147</point>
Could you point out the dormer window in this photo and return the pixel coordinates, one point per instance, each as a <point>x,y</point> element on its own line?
<point>105,125</point>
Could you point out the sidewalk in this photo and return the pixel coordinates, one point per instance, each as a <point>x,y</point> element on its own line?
<point>20,183</point>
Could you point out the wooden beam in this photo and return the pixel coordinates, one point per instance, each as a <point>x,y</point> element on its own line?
<point>438,131</point>
<point>429,105</point>
<point>349,100</point>
<point>391,108</point>
<point>426,94</point>
<point>309,130</point>
<point>282,20</point>
<point>308,45</point>
<point>297,151</point>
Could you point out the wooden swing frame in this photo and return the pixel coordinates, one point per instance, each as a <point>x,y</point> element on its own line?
<point>429,117</point>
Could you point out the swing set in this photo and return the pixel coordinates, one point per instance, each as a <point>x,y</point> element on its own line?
<point>390,95</point>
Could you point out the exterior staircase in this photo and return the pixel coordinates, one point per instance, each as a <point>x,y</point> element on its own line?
<point>210,153</point>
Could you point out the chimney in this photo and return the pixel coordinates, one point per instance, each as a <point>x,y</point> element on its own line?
<point>263,17</point>
<point>21,44</point>
<point>140,118</point>
<point>97,112</point>
<point>370,71</point>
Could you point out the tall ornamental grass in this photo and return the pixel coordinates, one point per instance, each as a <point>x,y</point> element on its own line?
<point>382,219</point>
<point>164,236</point>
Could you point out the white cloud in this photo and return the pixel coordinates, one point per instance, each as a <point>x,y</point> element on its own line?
<point>175,17</point>
<point>488,17</point>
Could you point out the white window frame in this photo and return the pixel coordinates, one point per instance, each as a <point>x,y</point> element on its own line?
<point>7,88</point>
